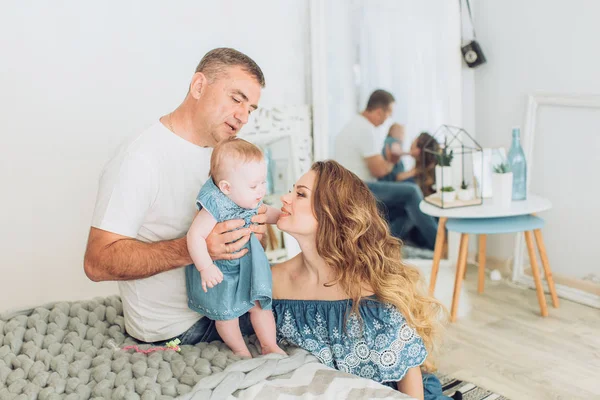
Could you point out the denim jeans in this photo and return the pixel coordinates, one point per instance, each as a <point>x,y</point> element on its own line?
<point>205,331</point>
<point>401,206</point>
<point>432,387</point>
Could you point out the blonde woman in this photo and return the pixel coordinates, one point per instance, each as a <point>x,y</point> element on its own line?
<point>348,298</point>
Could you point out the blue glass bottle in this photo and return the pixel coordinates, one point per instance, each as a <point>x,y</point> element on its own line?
<point>518,165</point>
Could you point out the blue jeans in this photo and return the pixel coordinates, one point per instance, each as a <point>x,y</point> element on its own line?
<point>432,387</point>
<point>205,331</point>
<point>400,201</point>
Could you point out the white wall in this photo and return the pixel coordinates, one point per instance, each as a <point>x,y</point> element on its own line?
<point>342,58</point>
<point>406,47</point>
<point>550,47</point>
<point>78,78</point>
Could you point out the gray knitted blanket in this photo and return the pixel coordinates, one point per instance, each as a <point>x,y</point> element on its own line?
<point>75,351</point>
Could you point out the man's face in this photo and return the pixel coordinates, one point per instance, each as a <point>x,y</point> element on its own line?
<point>384,113</point>
<point>223,106</point>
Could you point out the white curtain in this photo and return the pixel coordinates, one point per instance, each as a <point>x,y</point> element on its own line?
<point>412,49</point>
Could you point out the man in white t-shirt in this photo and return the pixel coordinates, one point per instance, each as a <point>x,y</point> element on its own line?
<point>358,147</point>
<point>146,201</point>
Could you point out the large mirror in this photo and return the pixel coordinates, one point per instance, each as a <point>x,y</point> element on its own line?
<point>410,49</point>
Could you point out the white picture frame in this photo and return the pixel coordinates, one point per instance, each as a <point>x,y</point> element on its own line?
<point>534,102</point>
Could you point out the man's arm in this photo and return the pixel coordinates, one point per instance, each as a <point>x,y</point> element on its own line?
<point>378,167</point>
<point>113,257</point>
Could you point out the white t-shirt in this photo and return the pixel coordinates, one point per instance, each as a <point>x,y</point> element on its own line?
<point>358,140</point>
<point>148,191</point>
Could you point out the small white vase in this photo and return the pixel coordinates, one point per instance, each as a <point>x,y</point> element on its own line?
<point>448,197</point>
<point>466,194</point>
<point>443,177</point>
<point>502,189</point>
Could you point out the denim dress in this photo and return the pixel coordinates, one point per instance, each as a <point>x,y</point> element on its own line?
<point>399,167</point>
<point>245,280</point>
<point>380,345</point>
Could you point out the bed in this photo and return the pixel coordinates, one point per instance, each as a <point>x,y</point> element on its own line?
<point>78,350</point>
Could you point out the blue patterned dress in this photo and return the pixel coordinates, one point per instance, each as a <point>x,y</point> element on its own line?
<point>380,346</point>
<point>245,280</point>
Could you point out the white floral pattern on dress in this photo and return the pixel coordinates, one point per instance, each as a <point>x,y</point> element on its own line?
<point>380,348</point>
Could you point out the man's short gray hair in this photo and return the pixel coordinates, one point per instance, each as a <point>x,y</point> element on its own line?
<point>213,63</point>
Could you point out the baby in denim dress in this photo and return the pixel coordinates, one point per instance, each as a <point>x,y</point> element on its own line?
<point>224,290</point>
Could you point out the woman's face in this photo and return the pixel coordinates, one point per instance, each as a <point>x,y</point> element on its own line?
<point>415,152</point>
<point>297,216</point>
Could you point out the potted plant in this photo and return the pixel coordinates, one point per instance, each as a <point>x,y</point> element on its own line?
<point>465,193</point>
<point>448,194</point>
<point>443,171</point>
<point>502,180</point>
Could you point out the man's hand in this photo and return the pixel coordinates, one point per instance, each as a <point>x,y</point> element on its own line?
<point>258,222</point>
<point>211,276</point>
<point>220,241</point>
<point>226,239</point>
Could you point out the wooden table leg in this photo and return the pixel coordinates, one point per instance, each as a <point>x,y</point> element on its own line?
<point>546,265</point>
<point>437,253</point>
<point>536,273</point>
<point>460,267</point>
<point>482,246</point>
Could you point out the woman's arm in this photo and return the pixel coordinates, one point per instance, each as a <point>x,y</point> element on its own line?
<point>402,176</point>
<point>412,383</point>
<point>272,214</point>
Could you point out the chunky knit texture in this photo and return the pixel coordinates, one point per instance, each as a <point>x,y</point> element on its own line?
<point>73,351</point>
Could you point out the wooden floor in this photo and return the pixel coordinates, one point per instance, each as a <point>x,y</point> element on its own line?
<point>505,346</point>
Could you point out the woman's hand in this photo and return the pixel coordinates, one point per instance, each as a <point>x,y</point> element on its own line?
<point>402,176</point>
<point>258,222</point>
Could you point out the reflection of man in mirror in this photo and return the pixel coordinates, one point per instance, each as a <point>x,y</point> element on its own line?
<point>358,148</point>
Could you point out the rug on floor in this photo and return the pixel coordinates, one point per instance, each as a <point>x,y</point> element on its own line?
<point>469,391</point>
<point>413,252</point>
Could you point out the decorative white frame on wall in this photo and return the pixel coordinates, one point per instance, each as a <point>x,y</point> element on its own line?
<point>533,104</point>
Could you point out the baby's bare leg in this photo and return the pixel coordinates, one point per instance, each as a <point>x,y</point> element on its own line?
<point>232,336</point>
<point>263,323</point>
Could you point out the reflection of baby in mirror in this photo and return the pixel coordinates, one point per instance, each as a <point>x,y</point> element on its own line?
<point>224,290</point>
<point>395,139</point>
<point>392,149</point>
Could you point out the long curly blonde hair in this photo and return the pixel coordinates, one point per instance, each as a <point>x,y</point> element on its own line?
<point>354,239</point>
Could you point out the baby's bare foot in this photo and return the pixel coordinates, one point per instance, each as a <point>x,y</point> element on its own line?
<point>243,353</point>
<point>273,349</point>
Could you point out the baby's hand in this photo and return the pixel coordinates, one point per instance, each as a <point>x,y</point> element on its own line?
<point>211,276</point>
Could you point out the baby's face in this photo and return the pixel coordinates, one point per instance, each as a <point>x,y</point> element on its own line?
<point>248,184</point>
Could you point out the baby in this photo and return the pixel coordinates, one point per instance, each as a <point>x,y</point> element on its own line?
<point>393,144</point>
<point>224,290</point>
